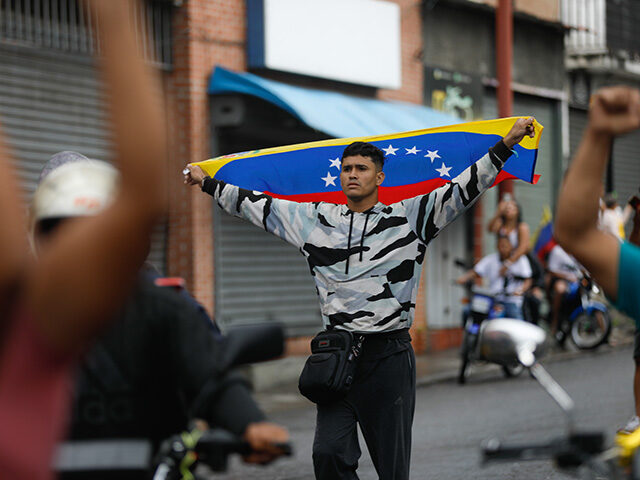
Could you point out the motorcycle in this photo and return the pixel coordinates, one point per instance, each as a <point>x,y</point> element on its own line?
<point>579,453</point>
<point>585,320</point>
<point>482,305</point>
<point>179,455</point>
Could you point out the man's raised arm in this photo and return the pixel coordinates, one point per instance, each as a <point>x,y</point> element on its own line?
<point>291,221</point>
<point>89,266</point>
<point>613,111</point>
<point>430,213</point>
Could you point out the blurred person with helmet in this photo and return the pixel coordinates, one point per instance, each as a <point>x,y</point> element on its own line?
<point>53,306</point>
<point>159,364</point>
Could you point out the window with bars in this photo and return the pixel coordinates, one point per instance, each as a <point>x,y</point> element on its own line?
<point>65,25</point>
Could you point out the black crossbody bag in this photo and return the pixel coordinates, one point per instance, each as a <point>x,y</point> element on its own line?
<point>328,373</point>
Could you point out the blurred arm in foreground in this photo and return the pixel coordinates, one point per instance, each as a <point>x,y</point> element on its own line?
<point>614,111</point>
<point>54,306</point>
<point>87,270</point>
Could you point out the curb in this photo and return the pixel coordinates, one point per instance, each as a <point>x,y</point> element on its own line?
<point>551,357</point>
<point>286,396</point>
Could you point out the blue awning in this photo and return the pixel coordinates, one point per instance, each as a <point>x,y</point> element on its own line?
<point>336,114</point>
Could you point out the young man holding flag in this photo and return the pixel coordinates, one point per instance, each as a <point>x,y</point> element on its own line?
<point>366,258</point>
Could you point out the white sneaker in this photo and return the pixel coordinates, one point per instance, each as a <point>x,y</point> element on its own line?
<point>631,426</point>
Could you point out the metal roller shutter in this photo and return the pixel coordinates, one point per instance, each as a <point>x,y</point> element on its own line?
<point>577,123</point>
<point>51,101</point>
<point>444,308</point>
<point>532,198</point>
<point>261,278</point>
<point>626,167</point>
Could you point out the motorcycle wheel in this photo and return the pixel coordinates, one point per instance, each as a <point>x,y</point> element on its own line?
<point>512,370</point>
<point>590,330</point>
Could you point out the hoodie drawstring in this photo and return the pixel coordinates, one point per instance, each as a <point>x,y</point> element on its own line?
<point>364,231</point>
<point>366,219</point>
<point>346,270</point>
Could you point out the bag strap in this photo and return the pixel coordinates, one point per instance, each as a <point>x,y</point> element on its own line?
<point>356,347</point>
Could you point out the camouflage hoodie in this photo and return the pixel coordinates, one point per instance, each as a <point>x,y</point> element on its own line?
<point>366,265</point>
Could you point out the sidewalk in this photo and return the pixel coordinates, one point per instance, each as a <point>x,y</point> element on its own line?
<point>432,368</point>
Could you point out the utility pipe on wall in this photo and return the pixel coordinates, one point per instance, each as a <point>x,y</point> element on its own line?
<point>504,62</point>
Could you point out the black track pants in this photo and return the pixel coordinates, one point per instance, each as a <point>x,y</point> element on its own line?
<point>382,401</point>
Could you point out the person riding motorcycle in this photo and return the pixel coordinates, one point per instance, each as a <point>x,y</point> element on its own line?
<point>159,364</point>
<point>564,274</point>
<point>508,281</point>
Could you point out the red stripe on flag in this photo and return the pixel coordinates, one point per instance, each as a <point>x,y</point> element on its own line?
<point>386,195</point>
<point>502,176</point>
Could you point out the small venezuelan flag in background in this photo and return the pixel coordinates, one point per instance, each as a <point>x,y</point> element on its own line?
<point>543,241</point>
<point>416,162</point>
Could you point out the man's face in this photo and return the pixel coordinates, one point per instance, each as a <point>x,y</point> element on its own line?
<point>504,247</point>
<point>359,177</point>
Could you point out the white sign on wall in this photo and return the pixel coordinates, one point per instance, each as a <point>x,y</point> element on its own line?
<point>354,41</point>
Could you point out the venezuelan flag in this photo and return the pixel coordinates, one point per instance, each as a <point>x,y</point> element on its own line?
<point>543,241</point>
<point>416,162</point>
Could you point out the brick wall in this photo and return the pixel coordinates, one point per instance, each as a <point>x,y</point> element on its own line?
<point>206,33</point>
<point>411,50</point>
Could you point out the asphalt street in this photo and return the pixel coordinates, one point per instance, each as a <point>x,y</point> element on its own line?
<point>451,421</point>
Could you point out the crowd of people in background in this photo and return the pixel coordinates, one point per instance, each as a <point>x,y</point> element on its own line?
<point>523,278</point>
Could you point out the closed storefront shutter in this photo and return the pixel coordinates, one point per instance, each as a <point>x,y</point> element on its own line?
<point>51,101</point>
<point>444,308</point>
<point>577,123</point>
<point>261,278</point>
<point>532,198</point>
<point>626,167</point>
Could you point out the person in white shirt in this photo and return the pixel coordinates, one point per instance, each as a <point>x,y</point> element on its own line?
<point>508,287</point>
<point>564,270</point>
<point>614,218</point>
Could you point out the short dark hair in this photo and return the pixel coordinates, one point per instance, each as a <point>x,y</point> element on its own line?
<point>365,149</point>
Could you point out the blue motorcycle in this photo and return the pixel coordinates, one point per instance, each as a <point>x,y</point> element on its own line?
<point>585,320</point>
<point>482,306</point>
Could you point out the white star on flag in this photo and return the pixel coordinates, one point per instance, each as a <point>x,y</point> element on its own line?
<point>432,155</point>
<point>335,162</point>
<point>329,180</point>
<point>443,170</point>
<point>390,150</point>
<point>412,150</point>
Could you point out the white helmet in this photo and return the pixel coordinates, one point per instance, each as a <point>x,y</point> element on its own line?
<point>73,190</point>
